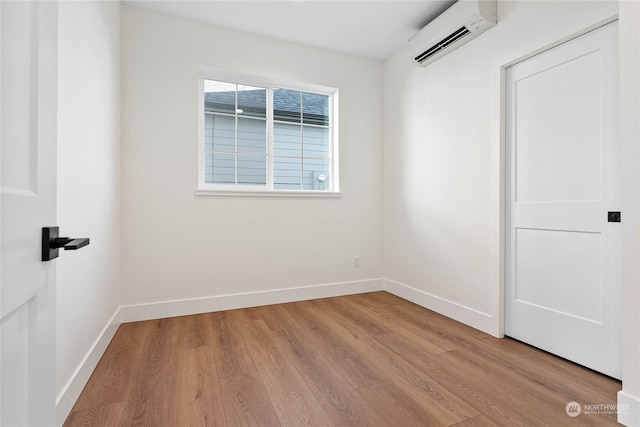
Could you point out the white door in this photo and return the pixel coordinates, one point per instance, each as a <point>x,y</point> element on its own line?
<point>28,75</point>
<point>562,254</point>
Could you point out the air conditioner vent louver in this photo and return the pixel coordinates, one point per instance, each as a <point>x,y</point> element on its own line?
<point>442,44</point>
<point>456,26</point>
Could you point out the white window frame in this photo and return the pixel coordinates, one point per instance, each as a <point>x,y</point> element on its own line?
<point>209,189</point>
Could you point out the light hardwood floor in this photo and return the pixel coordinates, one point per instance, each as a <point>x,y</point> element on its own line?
<point>371,359</point>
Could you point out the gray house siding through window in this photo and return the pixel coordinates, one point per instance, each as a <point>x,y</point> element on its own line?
<point>301,158</point>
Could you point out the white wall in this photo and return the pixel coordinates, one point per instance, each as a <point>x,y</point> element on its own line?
<point>442,159</point>
<point>88,189</point>
<point>179,246</point>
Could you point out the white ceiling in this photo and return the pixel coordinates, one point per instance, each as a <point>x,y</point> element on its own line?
<point>373,29</point>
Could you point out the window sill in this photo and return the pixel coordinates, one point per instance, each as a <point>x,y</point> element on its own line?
<point>268,193</point>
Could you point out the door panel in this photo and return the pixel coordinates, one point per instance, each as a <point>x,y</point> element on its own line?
<point>563,263</point>
<point>548,137</point>
<point>18,68</point>
<point>550,262</point>
<point>28,105</point>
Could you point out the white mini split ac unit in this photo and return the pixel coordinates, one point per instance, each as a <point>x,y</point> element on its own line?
<point>462,22</point>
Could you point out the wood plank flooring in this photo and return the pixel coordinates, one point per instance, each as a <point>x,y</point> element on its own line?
<point>361,360</point>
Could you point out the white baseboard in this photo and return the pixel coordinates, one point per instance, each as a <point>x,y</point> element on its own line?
<point>628,409</point>
<point>463,314</point>
<point>159,310</point>
<point>72,389</point>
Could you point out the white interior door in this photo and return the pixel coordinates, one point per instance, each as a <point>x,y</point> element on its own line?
<point>563,256</point>
<point>28,75</point>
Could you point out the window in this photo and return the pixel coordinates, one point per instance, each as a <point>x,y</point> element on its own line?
<point>267,137</point>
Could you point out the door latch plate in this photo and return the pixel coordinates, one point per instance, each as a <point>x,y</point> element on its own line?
<point>48,235</point>
<point>614,217</point>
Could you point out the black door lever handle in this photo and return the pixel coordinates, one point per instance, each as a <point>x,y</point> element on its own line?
<point>69,244</point>
<point>51,243</point>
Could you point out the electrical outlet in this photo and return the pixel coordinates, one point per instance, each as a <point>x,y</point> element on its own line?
<point>356,261</point>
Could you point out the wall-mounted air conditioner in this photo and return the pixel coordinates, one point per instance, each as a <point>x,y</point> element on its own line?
<point>462,22</point>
